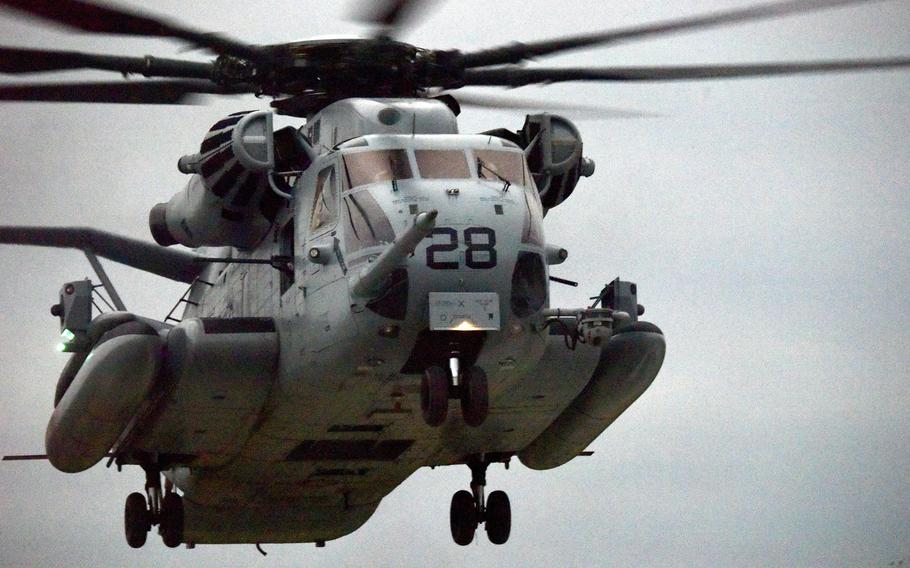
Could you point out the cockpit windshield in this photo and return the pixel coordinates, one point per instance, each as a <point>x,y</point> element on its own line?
<point>497,165</point>
<point>362,168</point>
<point>442,164</point>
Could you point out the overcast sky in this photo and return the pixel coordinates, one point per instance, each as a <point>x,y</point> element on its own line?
<point>766,222</point>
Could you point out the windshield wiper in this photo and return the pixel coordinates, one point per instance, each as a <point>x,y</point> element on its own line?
<point>481,165</point>
<point>392,173</point>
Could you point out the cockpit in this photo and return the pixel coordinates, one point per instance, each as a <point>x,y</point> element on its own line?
<point>372,187</point>
<point>373,183</point>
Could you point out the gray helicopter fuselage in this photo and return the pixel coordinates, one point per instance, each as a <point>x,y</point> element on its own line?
<point>327,341</point>
<point>348,372</point>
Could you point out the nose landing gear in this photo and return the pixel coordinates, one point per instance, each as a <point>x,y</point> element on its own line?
<point>471,387</point>
<point>470,509</point>
<point>142,512</point>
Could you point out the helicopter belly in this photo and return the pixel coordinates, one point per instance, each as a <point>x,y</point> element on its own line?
<point>364,445</point>
<point>276,522</point>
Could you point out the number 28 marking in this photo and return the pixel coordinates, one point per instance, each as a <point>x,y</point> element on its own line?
<point>474,253</point>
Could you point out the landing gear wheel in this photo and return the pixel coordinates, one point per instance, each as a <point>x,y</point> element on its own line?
<point>475,396</point>
<point>172,520</point>
<point>463,518</point>
<point>137,520</point>
<point>434,396</point>
<point>499,517</point>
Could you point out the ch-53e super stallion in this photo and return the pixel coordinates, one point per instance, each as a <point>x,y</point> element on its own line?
<point>368,291</point>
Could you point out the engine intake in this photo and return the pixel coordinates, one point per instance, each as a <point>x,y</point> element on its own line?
<point>228,200</point>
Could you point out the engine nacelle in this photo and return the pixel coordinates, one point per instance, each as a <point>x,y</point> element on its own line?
<point>229,201</point>
<point>553,148</point>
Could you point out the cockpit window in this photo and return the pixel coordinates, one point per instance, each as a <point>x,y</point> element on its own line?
<point>324,203</point>
<point>365,223</point>
<point>362,168</point>
<point>442,164</point>
<point>497,165</point>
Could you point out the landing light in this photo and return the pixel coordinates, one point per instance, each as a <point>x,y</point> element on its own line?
<point>67,335</point>
<point>390,331</point>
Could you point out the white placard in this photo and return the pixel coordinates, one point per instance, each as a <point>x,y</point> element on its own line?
<point>464,311</point>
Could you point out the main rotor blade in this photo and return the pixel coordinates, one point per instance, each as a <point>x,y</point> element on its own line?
<point>508,76</point>
<point>19,60</point>
<point>390,15</point>
<point>479,100</point>
<point>518,52</point>
<point>91,17</point>
<point>146,256</point>
<point>139,92</point>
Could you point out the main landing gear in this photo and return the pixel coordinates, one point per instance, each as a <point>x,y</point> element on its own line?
<point>142,512</point>
<point>438,385</point>
<point>469,509</point>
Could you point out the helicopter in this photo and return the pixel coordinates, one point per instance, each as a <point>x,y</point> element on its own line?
<point>327,276</point>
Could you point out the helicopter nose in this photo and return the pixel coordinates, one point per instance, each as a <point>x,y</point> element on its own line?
<point>480,226</point>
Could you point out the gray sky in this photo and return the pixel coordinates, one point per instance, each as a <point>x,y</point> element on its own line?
<point>766,222</point>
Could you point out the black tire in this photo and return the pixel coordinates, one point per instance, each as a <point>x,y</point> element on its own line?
<point>499,517</point>
<point>434,396</point>
<point>463,518</point>
<point>171,528</point>
<point>137,520</point>
<point>475,396</point>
